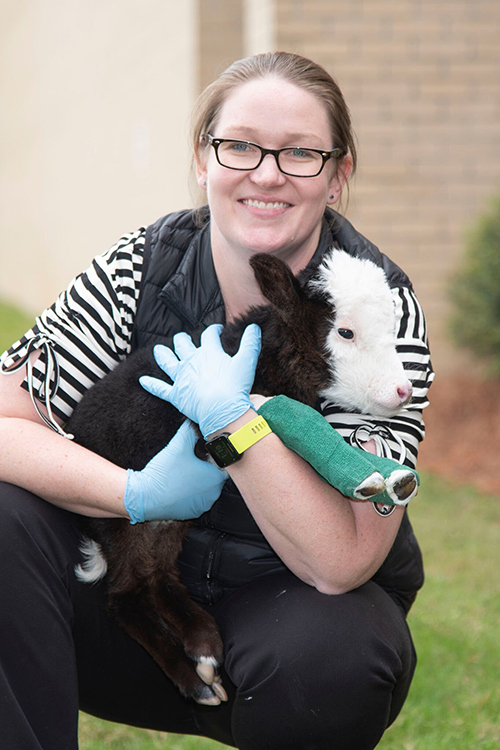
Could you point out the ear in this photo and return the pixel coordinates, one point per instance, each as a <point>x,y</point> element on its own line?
<point>277,283</point>
<point>201,170</point>
<point>339,179</point>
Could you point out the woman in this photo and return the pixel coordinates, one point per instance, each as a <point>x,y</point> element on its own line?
<point>317,651</point>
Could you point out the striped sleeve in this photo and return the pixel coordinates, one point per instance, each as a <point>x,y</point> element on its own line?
<point>398,437</point>
<point>88,329</point>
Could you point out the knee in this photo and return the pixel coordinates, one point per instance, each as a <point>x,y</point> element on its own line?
<point>16,514</point>
<point>328,667</point>
<point>20,511</point>
<point>335,638</point>
<point>31,528</point>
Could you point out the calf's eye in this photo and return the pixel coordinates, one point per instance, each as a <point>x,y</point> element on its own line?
<point>346,333</point>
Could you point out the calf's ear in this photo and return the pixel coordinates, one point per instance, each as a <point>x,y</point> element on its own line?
<point>277,283</point>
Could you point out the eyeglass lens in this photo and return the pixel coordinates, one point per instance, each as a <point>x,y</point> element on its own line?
<point>295,161</point>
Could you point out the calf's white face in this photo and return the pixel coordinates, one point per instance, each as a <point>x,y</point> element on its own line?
<point>367,373</point>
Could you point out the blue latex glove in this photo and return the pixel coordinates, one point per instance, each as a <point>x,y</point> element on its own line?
<point>175,484</point>
<point>210,387</point>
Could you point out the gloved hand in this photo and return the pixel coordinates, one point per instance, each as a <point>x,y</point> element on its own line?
<point>210,387</point>
<point>175,484</point>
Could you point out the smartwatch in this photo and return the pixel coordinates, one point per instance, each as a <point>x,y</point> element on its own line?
<point>227,448</point>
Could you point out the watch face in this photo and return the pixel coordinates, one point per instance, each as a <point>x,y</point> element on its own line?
<point>222,451</point>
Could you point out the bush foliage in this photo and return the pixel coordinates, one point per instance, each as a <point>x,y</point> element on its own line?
<point>475,290</point>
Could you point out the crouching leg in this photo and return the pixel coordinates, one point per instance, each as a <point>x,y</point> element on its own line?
<point>38,676</point>
<point>311,670</point>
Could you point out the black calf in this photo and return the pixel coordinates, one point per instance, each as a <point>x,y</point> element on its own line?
<point>122,422</point>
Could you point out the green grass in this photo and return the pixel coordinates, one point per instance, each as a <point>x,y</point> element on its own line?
<point>454,702</point>
<point>13,323</point>
<point>101,735</point>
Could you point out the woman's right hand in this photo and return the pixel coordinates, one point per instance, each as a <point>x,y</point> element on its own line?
<point>175,484</point>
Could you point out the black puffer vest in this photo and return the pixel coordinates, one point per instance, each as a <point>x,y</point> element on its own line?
<point>180,292</point>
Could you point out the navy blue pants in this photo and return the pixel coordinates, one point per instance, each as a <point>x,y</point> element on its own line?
<point>302,669</point>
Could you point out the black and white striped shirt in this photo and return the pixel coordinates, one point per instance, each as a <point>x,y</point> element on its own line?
<point>88,330</point>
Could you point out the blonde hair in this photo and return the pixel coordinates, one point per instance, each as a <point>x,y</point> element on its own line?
<point>293,68</point>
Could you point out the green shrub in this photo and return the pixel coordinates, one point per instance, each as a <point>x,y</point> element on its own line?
<point>475,290</point>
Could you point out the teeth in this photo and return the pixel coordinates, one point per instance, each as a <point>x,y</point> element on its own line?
<point>261,204</point>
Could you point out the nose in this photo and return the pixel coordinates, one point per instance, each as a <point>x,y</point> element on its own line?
<point>405,392</point>
<point>268,172</point>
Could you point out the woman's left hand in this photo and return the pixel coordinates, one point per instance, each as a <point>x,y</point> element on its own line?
<point>210,387</point>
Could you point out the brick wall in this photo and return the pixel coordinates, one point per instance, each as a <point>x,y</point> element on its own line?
<point>422,79</point>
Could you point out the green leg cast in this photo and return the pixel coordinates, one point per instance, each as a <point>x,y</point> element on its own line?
<point>355,473</point>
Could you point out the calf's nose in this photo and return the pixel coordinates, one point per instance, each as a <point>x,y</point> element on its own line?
<point>405,392</point>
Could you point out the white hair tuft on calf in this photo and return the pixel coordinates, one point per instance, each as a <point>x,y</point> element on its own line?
<point>94,566</point>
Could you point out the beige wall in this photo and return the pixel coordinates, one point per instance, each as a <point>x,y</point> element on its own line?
<point>96,97</point>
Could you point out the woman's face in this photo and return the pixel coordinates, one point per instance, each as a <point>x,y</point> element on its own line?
<point>264,210</point>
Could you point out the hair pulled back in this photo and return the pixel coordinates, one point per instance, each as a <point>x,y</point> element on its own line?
<point>290,67</point>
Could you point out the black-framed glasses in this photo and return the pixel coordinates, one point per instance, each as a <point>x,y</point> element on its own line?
<point>294,161</point>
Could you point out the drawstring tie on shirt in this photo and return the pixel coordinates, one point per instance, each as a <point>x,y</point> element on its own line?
<point>50,383</point>
<point>380,435</point>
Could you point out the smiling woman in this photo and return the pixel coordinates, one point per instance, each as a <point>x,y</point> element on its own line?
<point>309,589</point>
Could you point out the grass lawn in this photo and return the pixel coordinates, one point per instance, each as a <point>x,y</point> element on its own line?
<point>454,703</point>
<point>13,323</point>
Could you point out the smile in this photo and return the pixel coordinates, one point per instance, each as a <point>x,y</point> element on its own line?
<point>268,206</point>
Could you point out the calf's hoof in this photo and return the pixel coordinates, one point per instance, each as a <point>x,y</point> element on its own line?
<point>210,695</point>
<point>372,485</point>
<point>401,486</point>
<point>207,669</point>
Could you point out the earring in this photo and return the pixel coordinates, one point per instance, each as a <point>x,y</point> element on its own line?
<point>332,196</point>
<point>204,184</point>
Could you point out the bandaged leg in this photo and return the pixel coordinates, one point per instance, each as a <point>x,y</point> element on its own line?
<point>353,472</point>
